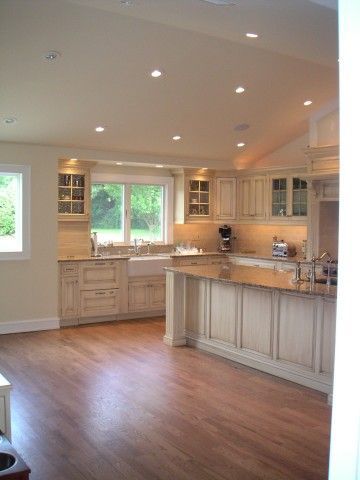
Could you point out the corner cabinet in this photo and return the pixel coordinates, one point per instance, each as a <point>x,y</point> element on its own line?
<point>73,190</point>
<point>252,198</point>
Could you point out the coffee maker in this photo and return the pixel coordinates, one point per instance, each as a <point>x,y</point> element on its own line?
<point>225,238</point>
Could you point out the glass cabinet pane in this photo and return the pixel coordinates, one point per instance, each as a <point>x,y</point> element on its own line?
<point>279,186</point>
<point>71,193</point>
<point>199,198</point>
<point>299,197</point>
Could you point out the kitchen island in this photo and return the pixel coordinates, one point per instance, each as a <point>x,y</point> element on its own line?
<point>257,317</point>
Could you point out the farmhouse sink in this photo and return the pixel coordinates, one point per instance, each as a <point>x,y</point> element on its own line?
<point>148,265</point>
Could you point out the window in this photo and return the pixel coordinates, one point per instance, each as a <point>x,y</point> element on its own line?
<point>131,207</point>
<point>14,212</point>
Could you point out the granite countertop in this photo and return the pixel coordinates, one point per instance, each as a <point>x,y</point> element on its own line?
<point>264,256</point>
<point>253,276</point>
<point>82,258</point>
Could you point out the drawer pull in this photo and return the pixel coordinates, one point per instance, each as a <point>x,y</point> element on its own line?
<point>100,293</point>
<point>100,264</point>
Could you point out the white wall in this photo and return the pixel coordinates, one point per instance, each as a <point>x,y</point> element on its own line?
<point>291,154</point>
<point>28,288</point>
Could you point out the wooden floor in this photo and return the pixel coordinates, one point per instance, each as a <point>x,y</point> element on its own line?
<point>111,402</point>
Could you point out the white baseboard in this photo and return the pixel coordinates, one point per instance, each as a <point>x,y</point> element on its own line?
<point>32,325</point>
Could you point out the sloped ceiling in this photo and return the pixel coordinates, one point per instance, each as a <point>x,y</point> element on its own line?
<point>108,49</point>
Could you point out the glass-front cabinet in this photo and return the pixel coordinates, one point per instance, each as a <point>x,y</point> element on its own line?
<point>198,198</point>
<point>73,191</point>
<point>199,205</point>
<point>288,198</point>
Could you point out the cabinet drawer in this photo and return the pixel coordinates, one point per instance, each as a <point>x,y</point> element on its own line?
<point>192,261</point>
<point>217,260</point>
<point>69,269</point>
<point>99,275</point>
<point>94,303</point>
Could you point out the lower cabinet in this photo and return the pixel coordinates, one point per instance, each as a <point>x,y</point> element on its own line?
<point>94,303</point>
<point>92,289</point>
<point>146,293</point>
<point>69,297</point>
<point>288,334</point>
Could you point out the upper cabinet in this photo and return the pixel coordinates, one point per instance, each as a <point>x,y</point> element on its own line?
<point>252,198</point>
<point>194,196</point>
<point>288,197</point>
<point>225,204</point>
<point>73,190</point>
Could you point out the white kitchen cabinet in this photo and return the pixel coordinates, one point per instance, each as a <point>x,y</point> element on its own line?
<point>95,303</point>
<point>252,198</point>
<point>272,263</point>
<point>69,297</point>
<point>146,294</point>
<point>99,274</point>
<point>288,199</point>
<point>93,288</point>
<point>202,259</point>
<point>225,198</point>
<point>5,417</point>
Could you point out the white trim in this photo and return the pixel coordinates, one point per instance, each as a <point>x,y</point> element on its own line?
<point>31,325</point>
<point>24,221</point>
<point>166,182</point>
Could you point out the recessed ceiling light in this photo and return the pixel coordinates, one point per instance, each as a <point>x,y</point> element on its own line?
<point>73,159</point>
<point>239,89</point>
<point>176,137</point>
<point>99,129</point>
<point>156,73</point>
<point>204,168</point>
<point>241,144</point>
<point>126,2</point>
<point>307,103</point>
<point>10,120</point>
<point>159,166</point>
<point>252,35</point>
<point>51,56</point>
<point>118,163</point>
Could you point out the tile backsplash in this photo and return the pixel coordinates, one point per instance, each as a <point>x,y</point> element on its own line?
<point>247,237</point>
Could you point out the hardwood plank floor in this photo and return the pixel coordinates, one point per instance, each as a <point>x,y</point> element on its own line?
<point>111,401</point>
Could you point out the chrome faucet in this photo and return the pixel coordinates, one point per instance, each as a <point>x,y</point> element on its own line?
<point>312,273</point>
<point>137,245</point>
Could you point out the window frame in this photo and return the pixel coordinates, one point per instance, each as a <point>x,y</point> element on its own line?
<point>127,181</point>
<point>23,218</point>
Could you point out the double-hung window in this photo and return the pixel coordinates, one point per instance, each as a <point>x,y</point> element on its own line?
<point>14,212</point>
<point>127,207</point>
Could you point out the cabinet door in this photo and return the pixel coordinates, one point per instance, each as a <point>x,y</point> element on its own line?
<point>99,275</point>
<point>95,303</point>
<point>138,296</point>
<point>288,199</point>
<point>73,193</point>
<point>157,295</point>
<point>198,198</point>
<point>226,198</point>
<point>69,297</point>
<point>252,198</point>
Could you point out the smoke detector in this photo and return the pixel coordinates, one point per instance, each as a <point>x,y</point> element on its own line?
<point>219,2</point>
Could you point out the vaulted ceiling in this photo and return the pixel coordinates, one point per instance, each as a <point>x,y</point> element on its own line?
<point>109,47</point>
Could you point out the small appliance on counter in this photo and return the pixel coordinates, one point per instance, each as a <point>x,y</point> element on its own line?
<point>282,249</point>
<point>225,238</point>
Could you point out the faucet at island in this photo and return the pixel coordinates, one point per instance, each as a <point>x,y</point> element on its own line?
<point>312,273</point>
